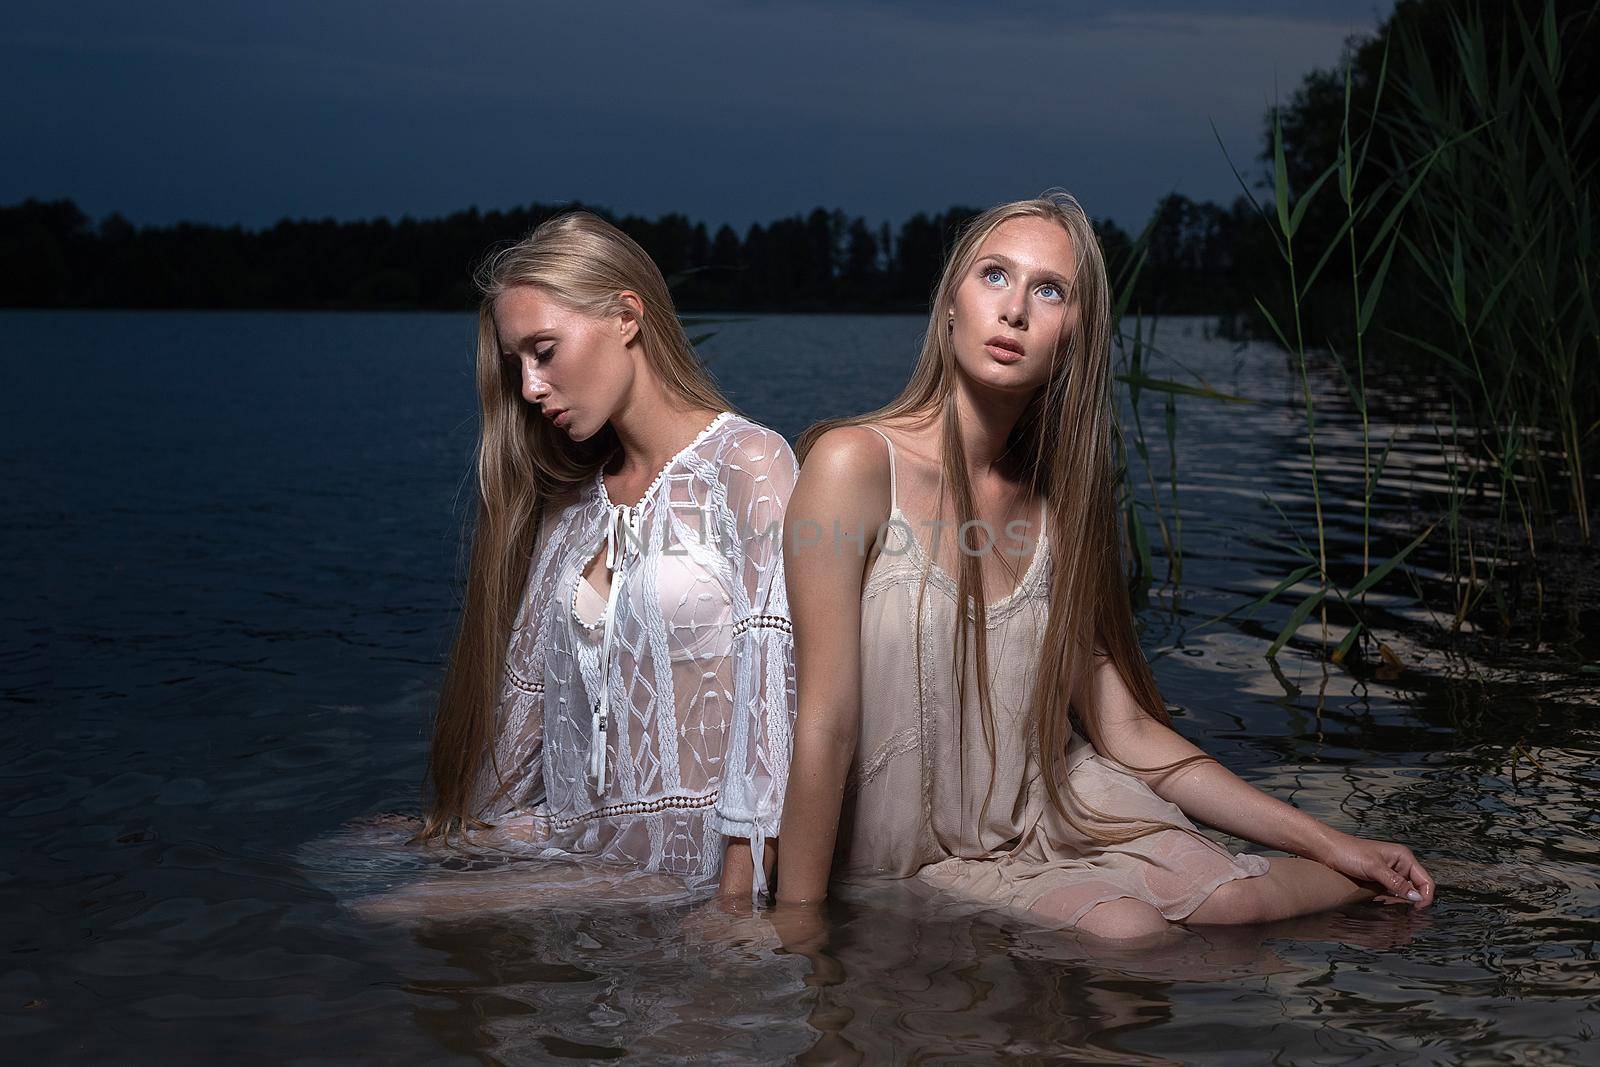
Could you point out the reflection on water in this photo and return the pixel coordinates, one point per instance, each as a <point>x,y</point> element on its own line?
<point>231,596</point>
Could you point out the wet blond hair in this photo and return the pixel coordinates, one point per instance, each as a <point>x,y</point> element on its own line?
<point>1065,445</point>
<point>525,465</point>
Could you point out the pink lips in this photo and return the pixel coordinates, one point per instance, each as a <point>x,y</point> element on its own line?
<point>1003,349</point>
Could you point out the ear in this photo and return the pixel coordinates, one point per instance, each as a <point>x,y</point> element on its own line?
<point>628,322</point>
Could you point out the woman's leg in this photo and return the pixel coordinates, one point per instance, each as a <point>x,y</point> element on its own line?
<point>1292,886</point>
<point>1123,918</point>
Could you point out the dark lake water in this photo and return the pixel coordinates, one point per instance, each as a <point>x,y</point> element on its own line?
<point>230,546</point>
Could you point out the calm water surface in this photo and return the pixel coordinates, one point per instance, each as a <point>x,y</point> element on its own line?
<point>230,542</point>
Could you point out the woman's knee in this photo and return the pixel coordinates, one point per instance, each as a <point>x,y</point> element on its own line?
<point>1124,917</point>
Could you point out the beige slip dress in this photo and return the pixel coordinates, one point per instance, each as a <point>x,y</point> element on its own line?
<point>915,791</point>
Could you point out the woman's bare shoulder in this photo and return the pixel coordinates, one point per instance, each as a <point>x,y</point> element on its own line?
<point>851,456</point>
<point>840,499</point>
<point>845,476</point>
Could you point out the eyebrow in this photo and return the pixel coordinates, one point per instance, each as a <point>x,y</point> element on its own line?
<point>531,339</point>
<point>1049,275</point>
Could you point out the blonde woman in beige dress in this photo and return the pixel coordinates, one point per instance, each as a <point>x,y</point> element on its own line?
<point>1025,760</point>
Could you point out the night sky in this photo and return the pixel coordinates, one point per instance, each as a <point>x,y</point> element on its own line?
<point>728,112</point>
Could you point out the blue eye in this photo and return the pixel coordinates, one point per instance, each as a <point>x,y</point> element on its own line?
<point>1049,285</point>
<point>992,270</point>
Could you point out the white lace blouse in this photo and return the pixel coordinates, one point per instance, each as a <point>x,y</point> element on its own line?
<point>644,726</point>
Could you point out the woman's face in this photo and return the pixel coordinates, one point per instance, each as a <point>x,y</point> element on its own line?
<point>1013,302</point>
<point>575,368</point>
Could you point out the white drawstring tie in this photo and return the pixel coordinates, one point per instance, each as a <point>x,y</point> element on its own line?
<point>758,853</point>
<point>620,536</point>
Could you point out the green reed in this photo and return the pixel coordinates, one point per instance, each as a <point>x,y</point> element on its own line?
<point>1485,173</point>
<point>1516,204</point>
<point>1136,380</point>
<point>1478,168</point>
<point>1131,354</point>
<point>1370,259</point>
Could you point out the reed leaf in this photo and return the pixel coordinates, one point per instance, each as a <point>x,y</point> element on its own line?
<point>1296,619</point>
<point>1382,569</point>
<point>1343,650</point>
<point>1138,381</point>
<point>1333,246</point>
<point>1250,608</point>
<point>1305,200</point>
<point>1273,322</point>
<point>1280,176</point>
<point>1369,302</point>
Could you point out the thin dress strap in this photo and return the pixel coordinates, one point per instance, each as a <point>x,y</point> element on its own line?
<point>894,502</point>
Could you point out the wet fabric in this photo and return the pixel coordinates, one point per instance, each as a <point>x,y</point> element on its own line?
<point>914,801</point>
<point>641,727</point>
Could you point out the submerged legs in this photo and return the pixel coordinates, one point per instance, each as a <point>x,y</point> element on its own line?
<point>1291,887</point>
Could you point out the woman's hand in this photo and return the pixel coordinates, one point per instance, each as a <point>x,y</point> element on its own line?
<point>803,931</point>
<point>1208,792</point>
<point>1390,867</point>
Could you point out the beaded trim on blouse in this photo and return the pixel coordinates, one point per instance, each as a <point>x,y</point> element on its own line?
<point>775,622</point>
<point>639,807</point>
<point>535,687</point>
<point>572,609</point>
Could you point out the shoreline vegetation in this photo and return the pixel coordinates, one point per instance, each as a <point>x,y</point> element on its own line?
<point>1427,233</point>
<point>1437,239</point>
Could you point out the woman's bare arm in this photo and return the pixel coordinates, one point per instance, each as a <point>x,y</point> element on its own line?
<point>738,866</point>
<point>1209,793</point>
<point>843,490</point>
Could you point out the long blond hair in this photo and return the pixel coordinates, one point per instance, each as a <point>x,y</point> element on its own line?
<point>1065,446</point>
<point>524,466</point>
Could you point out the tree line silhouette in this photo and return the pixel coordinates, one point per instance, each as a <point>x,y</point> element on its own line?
<point>53,255</point>
<point>1201,257</point>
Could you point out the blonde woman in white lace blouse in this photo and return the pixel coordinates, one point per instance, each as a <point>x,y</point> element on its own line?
<point>621,687</point>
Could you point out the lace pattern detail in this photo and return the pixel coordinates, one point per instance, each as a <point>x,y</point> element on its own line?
<point>686,716</point>
<point>911,557</point>
<point>898,745</point>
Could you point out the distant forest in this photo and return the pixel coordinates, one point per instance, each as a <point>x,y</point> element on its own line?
<point>53,255</point>
<point>1201,257</point>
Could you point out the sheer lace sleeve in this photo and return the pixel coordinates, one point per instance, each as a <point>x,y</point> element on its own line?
<point>760,472</point>
<point>519,715</point>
